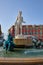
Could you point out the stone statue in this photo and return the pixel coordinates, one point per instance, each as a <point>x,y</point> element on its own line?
<point>18,23</point>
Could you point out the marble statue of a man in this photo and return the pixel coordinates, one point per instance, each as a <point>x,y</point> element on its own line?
<point>18,23</point>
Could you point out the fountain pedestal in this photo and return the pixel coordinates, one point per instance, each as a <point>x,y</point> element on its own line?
<point>22,40</point>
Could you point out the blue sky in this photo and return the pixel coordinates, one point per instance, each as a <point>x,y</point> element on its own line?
<point>32,11</point>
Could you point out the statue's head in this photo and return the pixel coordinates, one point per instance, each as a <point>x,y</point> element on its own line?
<point>20,13</point>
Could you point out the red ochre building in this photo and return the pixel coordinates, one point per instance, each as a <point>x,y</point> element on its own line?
<point>35,30</point>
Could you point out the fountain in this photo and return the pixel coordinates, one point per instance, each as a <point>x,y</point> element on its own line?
<point>20,39</point>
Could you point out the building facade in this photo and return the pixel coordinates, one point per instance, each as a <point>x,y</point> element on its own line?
<point>35,30</point>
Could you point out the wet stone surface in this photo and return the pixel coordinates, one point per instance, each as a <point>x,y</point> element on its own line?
<point>21,53</point>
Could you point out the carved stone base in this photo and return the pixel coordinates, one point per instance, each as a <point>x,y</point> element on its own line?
<point>21,61</point>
